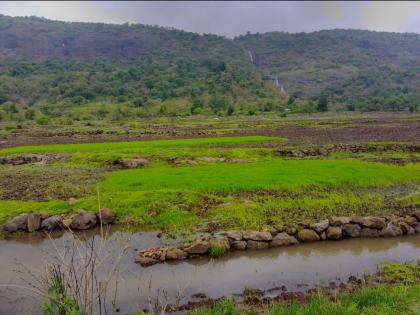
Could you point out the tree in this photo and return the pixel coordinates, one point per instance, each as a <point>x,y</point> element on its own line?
<point>322,103</point>
<point>30,114</point>
<point>230,110</point>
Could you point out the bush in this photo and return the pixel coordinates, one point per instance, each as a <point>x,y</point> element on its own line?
<point>216,251</point>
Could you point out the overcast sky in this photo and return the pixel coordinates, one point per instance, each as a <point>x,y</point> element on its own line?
<point>232,18</point>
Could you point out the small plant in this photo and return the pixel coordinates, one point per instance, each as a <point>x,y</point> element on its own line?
<point>216,251</point>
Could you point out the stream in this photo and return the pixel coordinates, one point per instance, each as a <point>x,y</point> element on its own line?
<point>296,267</point>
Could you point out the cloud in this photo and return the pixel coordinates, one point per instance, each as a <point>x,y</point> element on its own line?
<point>231,18</point>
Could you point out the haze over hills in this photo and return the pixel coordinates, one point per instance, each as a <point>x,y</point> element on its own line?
<point>56,68</point>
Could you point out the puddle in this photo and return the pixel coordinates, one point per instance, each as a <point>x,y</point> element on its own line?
<point>296,267</point>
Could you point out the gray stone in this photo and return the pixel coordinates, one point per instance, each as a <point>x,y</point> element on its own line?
<point>251,244</point>
<point>18,223</point>
<point>392,230</point>
<point>106,216</point>
<point>257,236</point>
<point>334,233</point>
<point>220,241</point>
<point>352,230</point>
<point>368,232</point>
<point>417,228</point>
<point>238,245</point>
<point>84,220</point>
<point>416,214</point>
<point>338,221</point>
<point>321,226</point>
<point>52,223</point>
<point>198,247</point>
<point>283,239</point>
<point>370,222</point>
<point>34,222</point>
<point>234,235</point>
<point>132,163</point>
<point>308,235</point>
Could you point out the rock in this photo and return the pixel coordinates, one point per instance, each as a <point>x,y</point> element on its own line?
<point>18,223</point>
<point>198,247</point>
<point>308,235</point>
<point>251,244</point>
<point>405,228</point>
<point>411,221</point>
<point>220,241</point>
<point>52,223</point>
<point>416,214</point>
<point>334,233</point>
<point>84,220</point>
<point>146,261</point>
<point>72,201</point>
<point>291,230</point>
<point>392,230</point>
<point>234,235</point>
<point>368,232</point>
<point>34,222</point>
<point>106,216</point>
<point>132,163</point>
<point>370,222</point>
<point>417,228</point>
<point>173,253</point>
<point>323,236</point>
<point>257,236</point>
<point>321,226</point>
<point>352,230</point>
<point>274,231</point>
<point>283,239</point>
<point>238,245</point>
<point>337,221</point>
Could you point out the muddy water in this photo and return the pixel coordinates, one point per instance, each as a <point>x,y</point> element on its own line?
<point>296,267</point>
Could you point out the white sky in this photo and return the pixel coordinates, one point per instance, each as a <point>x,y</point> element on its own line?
<point>232,18</point>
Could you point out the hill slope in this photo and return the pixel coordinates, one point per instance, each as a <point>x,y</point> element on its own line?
<point>375,70</point>
<point>57,66</point>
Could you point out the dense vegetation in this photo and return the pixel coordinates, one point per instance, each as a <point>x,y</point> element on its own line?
<point>54,70</point>
<point>356,69</point>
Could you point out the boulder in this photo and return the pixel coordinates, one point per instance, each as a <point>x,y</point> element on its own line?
<point>411,221</point>
<point>321,226</point>
<point>291,230</point>
<point>338,221</point>
<point>334,233</point>
<point>370,222</point>
<point>368,232</point>
<point>174,253</point>
<point>19,223</point>
<point>132,163</point>
<point>146,261</point>
<point>251,244</point>
<point>308,235</point>
<point>391,230</point>
<point>283,239</point>
<point>34,222</point>
<point>416,214</point>
<point>67,222</point>
<point>234,235</point>
<point>52,223</point>
<point>198,247</point>
<point>257,236</point>
<point>221,242</point>
<point>106,216</point>
<point>238,245</point>
<point>84,220</point>
<point>406,229</point>
<point>352,230</point>
<point>417,228</point>
<point>323,235</point>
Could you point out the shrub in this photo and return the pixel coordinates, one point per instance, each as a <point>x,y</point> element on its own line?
<point>216,251</point>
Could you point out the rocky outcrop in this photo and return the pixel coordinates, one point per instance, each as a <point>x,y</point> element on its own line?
<point>131,163</point>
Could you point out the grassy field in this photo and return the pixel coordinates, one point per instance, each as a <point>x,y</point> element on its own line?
<point>213,183</point>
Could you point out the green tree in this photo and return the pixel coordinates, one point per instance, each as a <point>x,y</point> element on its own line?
<point>322,103</point>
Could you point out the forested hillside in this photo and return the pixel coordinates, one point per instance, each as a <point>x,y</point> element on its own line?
<point>360,69</point>
<point>101,71</point>
<point>55,67</point>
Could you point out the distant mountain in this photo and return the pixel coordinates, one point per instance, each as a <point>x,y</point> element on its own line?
<point>375,70</point>
<point>95,70</point>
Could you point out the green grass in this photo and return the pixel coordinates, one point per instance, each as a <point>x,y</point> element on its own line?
<point>216,251</point>
<point>138,146</point>
<point>276,174</point>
